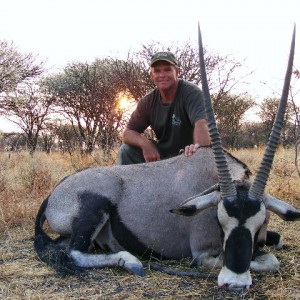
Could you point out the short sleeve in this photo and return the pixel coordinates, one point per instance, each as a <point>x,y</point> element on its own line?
<point>139,120</point>
<point>194,104</point>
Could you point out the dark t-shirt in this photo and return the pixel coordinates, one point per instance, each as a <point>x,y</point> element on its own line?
<point>173,123</point>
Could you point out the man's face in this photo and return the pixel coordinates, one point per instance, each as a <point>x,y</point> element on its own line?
<point>164,75</point>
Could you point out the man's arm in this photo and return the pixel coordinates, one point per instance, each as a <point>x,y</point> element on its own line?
<point>136,139</point>
<point>201,133</point>
<point>200,136</point>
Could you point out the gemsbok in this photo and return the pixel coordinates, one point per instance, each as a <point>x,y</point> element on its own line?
<point>206,206</point>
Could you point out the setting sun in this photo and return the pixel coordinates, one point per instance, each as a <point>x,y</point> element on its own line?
<point>125,103</point>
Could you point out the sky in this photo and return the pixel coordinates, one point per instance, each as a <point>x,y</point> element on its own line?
<point>62,31</point>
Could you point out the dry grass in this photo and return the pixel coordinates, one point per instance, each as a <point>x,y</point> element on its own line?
<point>25,181</point>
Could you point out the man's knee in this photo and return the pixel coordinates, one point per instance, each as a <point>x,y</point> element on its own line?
<point>130,155</point>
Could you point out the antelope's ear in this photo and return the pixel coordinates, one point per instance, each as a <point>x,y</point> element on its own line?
<point>198,203</point>
<point>284,210</point>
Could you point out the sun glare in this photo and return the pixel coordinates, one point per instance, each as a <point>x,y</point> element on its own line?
<point>126,103</point>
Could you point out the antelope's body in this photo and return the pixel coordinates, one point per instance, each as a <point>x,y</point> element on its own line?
<point>137,200</point>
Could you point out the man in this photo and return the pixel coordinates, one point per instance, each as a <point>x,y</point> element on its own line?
<point>174,110</point>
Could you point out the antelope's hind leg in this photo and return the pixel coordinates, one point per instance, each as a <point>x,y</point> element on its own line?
<point>86,228</point>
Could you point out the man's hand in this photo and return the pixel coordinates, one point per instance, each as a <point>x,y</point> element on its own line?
<point>190,149</point>
<point>150,152</point>
<point>200,137</point>
<point>135,139</point>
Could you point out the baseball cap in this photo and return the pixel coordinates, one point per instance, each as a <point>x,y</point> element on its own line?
<point>166,56</point>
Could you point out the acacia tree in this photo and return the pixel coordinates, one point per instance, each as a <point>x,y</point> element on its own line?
<point>64,135</point>
<point>16,67</point>
<point>131,76</point>
<point>268,110</point>
<point>86,96</point>
<point>29,107</point>
<point>249,135</point>
<point>294,95</point>
<point>230,111</point>
<point>12,141</point>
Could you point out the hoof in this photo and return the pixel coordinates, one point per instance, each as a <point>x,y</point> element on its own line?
<point>135,269</point>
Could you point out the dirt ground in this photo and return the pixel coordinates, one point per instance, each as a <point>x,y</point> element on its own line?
<point>23,276</point>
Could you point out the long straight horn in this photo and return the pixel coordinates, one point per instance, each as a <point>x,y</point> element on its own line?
<point>257,189</point>
<point>226,184</point>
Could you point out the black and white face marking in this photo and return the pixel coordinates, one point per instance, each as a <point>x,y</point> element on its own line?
<point>240,220</point>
